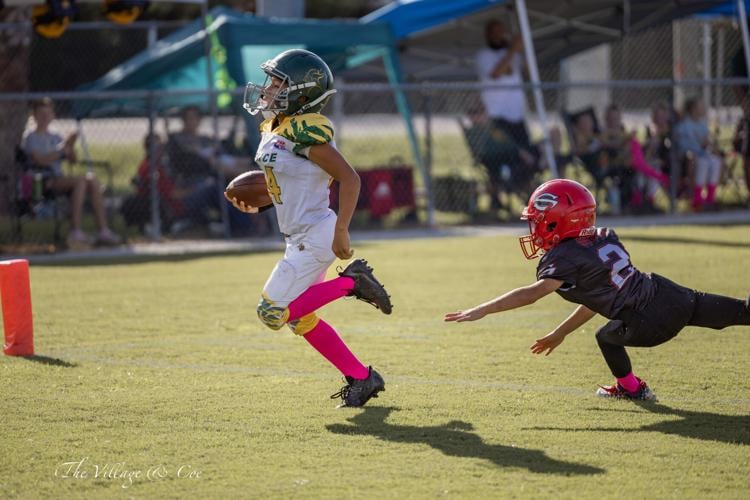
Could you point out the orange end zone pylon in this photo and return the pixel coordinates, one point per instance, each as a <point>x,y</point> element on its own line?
<point>15,293</point>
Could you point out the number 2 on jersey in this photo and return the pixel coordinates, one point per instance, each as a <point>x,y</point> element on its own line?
<point>273,186</point>
<point>619,259</point>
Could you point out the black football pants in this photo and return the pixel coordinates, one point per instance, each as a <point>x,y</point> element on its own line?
<point>672,308</point>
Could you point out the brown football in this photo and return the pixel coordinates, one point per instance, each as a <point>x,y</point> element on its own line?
<point>249,188</point>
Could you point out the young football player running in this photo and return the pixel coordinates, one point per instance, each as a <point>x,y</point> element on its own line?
<point>299,158</point>
<point>590,266</point>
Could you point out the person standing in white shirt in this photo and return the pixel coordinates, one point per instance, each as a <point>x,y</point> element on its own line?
<point>502,63</point>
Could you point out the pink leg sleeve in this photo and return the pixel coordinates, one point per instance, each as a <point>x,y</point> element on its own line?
<point>328,343</point>
<point>629,382</point>
<point>319,295</point>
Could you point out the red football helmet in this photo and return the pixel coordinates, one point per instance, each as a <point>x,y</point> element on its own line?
<point>557,210</point>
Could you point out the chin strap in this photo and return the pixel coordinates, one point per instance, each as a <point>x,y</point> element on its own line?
<point>317,101</point>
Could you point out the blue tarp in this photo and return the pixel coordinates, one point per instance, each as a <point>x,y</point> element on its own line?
<point>728,9</point>
<point>239,43</point>
<point>408,17</point>
<point>439,38</point>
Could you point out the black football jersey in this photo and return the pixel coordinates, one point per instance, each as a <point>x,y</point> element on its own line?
<point>596,271</point>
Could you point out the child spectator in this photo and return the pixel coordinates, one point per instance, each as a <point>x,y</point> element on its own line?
<point>693,138</point>
<point>47,150</point>
<point>136,209</point>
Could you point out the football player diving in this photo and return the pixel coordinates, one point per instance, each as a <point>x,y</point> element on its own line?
<point>589,266</point>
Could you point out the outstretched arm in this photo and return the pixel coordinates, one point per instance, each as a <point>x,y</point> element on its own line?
<point>519,297</point>
<point>553,339</point>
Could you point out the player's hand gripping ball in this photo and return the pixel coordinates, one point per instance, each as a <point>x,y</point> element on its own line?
<point>248,192</point>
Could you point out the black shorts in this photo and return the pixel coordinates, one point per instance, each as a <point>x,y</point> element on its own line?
<point>662,319</point>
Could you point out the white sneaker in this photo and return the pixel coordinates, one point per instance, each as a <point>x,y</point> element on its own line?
<point>78,240</point>
<point>107,237</point>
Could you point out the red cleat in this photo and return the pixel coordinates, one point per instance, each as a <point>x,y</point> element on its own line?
<point>644,393</point>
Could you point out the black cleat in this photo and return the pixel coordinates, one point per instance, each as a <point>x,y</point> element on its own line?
<point>366,287</point>
<point>358,392</point>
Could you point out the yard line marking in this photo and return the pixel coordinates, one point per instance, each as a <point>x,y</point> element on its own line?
<point>71,356</point>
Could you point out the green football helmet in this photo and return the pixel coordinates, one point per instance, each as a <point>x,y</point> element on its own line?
<point>306,85</point>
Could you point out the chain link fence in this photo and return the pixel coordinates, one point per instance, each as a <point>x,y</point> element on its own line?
<point>615,131</point>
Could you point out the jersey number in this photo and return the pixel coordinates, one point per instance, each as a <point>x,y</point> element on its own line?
<point>618,258</point>
<point>273,186</point>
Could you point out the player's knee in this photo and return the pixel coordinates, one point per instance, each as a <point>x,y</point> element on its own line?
<point>304,325</point>
<point>610,333</point>
<point>600,337</point>
<point>273,316</point>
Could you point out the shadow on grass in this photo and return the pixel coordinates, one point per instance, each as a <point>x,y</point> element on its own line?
<point>734,429</point>
<point>47,360</point>
<point>680,240</point>
<point>455,439</point>
<point>700,425</point>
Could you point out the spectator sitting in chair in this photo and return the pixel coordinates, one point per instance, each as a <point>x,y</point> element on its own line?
<point>198,155</point>
<point>510,168</point>
<point>693,137</point>
<point>588,147</point>
<point>652,160</point>
<point>199,164</point>
<point>614,137</point>
<point>599,154</point>
<point>627,164</point>
<point>47,150</point>
<point>615,142</point>
<point>741,141</point>
<point>658,138</point>
<point>136,208</point>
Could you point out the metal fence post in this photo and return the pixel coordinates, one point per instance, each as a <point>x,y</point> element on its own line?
<point>338,110</point>
<point>706,46</point>
<point>427,103</point>
<point>674,159</point>
<point>153,172</point>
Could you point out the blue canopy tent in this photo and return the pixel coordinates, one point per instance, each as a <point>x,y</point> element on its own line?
<point>239,43</point>
<point>224,49</point>
<point>438,38</point>
<point>726,8</point>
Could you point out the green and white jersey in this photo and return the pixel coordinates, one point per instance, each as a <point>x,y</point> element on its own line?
<point>298,187</point>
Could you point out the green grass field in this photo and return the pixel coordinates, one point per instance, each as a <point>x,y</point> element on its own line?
<point>154,366</point>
